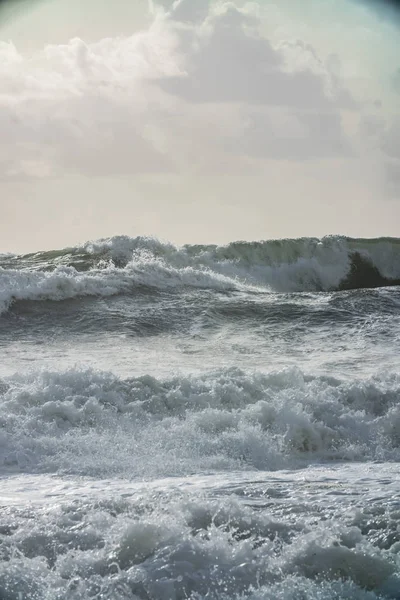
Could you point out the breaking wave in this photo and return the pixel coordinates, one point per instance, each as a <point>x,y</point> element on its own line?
<point>180,545</point>
<point>120,264</point>
<point>94,423</point>
<point>171,545</point>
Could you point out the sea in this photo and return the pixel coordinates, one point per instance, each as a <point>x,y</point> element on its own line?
<point>201,421</point>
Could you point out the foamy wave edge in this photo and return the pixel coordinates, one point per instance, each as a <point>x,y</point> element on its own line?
<point>119,264</point>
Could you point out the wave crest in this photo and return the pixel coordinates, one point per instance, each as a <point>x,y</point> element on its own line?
<point>119,264</point>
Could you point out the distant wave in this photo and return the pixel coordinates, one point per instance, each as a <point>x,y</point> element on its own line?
<point>120,264</point>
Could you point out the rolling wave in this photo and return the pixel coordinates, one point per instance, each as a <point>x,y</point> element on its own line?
<point>121,264</point>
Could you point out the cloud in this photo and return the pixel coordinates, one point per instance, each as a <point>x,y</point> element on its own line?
<point>81,108</point>
<point>227,60</point>
<point>288,101</point>
<point>190,11</point>
<point>202,90</point>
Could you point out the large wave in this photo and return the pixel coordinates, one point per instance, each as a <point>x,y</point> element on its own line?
<point>121,264</point>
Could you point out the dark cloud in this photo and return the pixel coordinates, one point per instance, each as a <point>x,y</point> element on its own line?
<point>231,62</point>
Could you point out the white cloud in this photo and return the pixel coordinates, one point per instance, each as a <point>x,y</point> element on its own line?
<point>202,90</point>
<point>190,11</point>
<point>80,107</point>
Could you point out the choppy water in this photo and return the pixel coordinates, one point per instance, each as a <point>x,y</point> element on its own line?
<point>201,422</point>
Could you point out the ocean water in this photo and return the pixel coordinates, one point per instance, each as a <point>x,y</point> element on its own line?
<point>217,422</point>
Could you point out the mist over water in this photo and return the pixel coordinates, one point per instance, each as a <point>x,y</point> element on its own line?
<point>200,421</point>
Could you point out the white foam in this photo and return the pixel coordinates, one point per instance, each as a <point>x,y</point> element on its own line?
<point>66,282</point>
<point>229,537</point>
<point>90,422</point>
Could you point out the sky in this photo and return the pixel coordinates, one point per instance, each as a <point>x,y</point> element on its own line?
<point>198,121</point>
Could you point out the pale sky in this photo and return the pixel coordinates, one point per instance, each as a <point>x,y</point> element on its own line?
<point>198,121</point>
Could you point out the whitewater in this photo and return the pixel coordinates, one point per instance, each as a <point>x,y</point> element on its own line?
<point>201,421</point>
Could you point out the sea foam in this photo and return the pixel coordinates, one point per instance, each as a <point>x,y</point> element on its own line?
<point>91,422</point>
